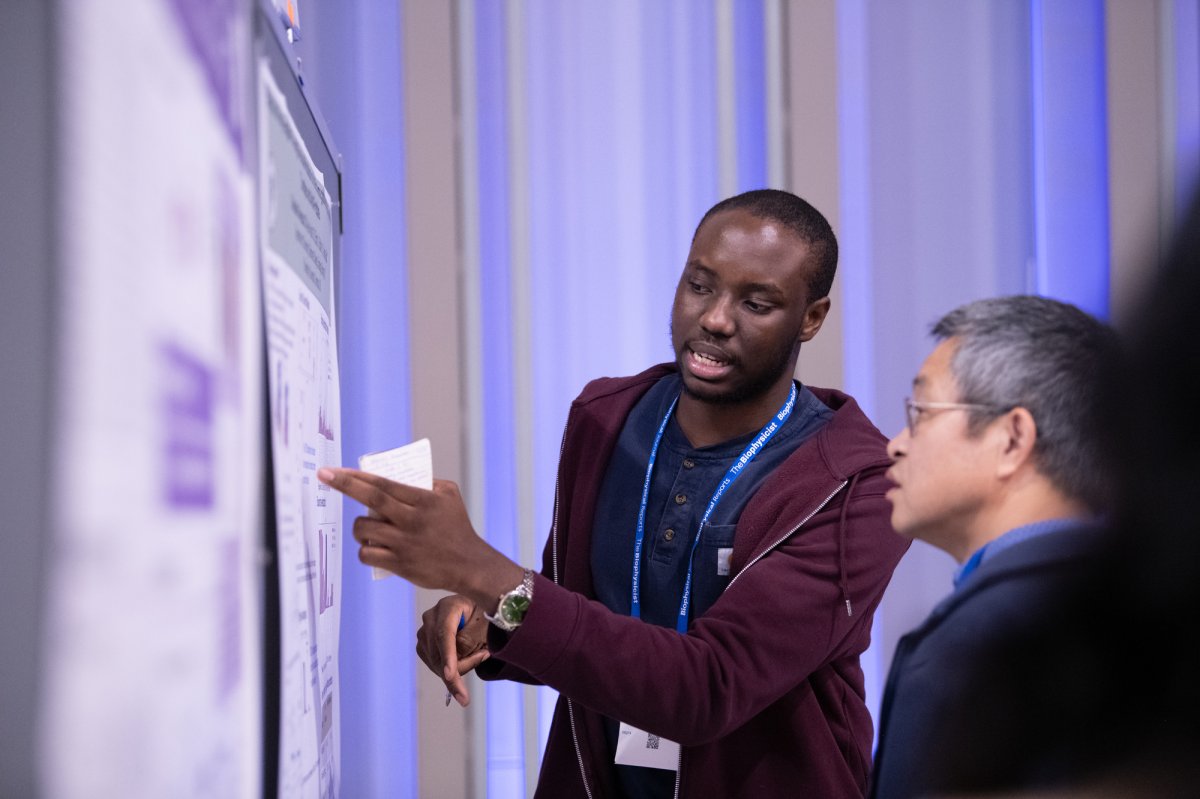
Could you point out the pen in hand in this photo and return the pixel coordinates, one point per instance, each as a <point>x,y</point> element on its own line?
<point>462,622</point>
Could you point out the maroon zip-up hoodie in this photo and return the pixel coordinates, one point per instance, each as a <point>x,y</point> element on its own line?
<point>765,692</point>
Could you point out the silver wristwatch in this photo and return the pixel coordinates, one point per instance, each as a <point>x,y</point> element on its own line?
<point>513,605</point>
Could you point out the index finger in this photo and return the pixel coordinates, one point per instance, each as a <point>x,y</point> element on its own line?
<point>380,494</point>
<point>448,643</point>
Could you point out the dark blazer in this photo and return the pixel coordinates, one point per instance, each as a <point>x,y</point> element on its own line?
<point>932,662</point>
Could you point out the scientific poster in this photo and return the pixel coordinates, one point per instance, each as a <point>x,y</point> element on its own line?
<point>296,237</point>
<point>152,651</point>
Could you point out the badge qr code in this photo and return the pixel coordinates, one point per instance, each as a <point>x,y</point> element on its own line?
<point>639,748</point>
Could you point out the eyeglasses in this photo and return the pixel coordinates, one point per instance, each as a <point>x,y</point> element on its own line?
<point>914,409</point>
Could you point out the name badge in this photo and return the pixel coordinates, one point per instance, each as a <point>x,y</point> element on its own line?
<point>638,748</point>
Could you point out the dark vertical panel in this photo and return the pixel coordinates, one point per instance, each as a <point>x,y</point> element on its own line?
<point>27,342</point>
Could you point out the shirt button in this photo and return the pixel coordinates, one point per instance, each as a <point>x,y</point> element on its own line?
<point>680,499</point>
<point>668,534</point>
<point>688,463</point>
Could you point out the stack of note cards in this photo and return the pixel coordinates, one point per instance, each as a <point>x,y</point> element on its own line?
<point>411,464</point>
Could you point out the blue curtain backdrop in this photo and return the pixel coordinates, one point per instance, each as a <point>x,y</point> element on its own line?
<point>359,87</point>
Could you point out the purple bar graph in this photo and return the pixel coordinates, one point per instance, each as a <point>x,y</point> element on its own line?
<point>326,598</point>
<point>187,407</point>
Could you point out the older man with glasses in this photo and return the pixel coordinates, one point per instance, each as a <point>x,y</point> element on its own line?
<point>1001,466</point>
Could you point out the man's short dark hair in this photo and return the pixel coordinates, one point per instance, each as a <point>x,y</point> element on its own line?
<point>798,216</point>
<point>1048,357</point>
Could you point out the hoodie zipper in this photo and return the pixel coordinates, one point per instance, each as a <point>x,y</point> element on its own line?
<point>554,563</point>
<point>578,754</point>
<point>760,556</point>
<point>790,533</point>
<point>562,446</point>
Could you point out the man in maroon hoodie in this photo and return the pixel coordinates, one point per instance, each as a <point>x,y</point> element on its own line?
<point>720,541</point>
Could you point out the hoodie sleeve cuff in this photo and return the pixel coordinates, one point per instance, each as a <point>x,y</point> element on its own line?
<point>546,632</point>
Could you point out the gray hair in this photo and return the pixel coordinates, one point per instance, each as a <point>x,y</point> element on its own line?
<point>1049,358</point>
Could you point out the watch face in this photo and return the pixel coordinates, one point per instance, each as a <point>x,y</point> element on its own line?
<point>513,608</point>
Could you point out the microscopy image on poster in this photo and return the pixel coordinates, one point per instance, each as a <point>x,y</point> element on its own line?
<point>296,238</point>
<point>152,658</point>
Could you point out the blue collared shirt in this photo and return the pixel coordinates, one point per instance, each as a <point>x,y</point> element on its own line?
<point>1012,538</point>
<point>683,481</point>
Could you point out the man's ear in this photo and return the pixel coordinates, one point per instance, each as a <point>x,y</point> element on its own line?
<point>814,317</point>
<point>1018,433</point>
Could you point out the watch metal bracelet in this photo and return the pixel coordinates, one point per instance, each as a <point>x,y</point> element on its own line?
<point>511,609</point>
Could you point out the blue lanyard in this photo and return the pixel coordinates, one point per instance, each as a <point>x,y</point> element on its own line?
<point>735,471</point>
